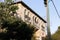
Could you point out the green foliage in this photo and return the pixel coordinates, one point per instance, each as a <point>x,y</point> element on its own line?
<point>56,36</point>
<point>6,10</point>
<point>18,30</point>
<point>13,8</point>
<point>8,1</point>
<point>59,27</point>
<point>11,26</point>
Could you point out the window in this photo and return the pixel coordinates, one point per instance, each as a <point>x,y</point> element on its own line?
<point>35,19</point>
<point>28,13</point>
<point>26,16</point>
<point>43,28</point>
<point>24,11</point>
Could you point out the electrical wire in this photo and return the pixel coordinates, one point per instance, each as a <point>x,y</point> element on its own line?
<point>55,9</point>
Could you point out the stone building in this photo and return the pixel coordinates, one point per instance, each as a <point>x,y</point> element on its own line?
<point>30,17</point>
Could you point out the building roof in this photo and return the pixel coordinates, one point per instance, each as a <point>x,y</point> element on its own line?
<point>29,9</point>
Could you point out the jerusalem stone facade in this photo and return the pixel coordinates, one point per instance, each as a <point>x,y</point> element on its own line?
<point>31,17</point>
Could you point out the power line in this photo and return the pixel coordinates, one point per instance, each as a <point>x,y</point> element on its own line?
<point>55,9</point>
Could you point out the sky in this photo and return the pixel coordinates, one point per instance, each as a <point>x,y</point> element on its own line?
<point>39,7</point>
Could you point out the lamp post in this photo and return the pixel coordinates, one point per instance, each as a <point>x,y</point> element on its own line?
<point>48,19</point>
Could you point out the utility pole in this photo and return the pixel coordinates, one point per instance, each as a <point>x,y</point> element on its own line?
<point>48,22</point>
<point>48,19</point>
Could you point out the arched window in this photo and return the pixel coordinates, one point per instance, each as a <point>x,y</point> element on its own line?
<point>24,11</point>
<point>43,28</point>
<point>36,20</point>
<point>26,14</point>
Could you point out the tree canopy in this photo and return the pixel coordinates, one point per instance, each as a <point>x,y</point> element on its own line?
<point>56,35</point>
<point>10,26</point>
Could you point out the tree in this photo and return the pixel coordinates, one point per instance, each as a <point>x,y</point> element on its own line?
<point>13,28</point>
<point>6,16</point>
<point>7,11</point>
<point>19,30</point>
<point>56,35</point>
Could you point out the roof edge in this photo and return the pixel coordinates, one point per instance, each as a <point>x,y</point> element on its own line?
<point>29,9</point>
